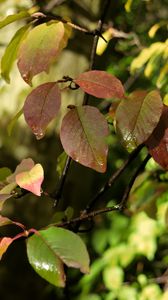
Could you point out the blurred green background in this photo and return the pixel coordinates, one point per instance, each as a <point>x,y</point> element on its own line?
<point>129,252</point>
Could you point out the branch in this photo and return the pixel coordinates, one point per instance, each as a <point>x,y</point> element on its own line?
<point>113,179</point>
<point>59,191</point>
<point>119,207</point>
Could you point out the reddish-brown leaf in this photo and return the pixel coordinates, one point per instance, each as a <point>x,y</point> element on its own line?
<point>41,106</point>
<point>100,84</point>
<point>40,49</point>
<point>137,117</point>
<point>83,136</point>
<point>158,141</point>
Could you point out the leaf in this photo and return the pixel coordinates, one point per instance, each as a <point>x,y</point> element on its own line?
<point>158,142</point>
<point>50,248</point>
<point>6,241</point>
<point>83,135</point>
<point>137,117</point>
<point>31,180</point>
<point>6,221</point>
<point>41,106</point>
<point>12,18</point>
<point>40,49</point>
<point>11,51</point>
<point>61,160</point>
<point>100,84</point>
<point>13,121</point>
<point>4,244</point>
<point>25,165</point>
<point>4,172</point>
<point>5,193</point>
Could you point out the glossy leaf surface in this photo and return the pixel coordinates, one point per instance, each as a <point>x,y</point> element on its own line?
<point>40,49</point>
<point>10,54</point>
<point>158,141</point>
<point>100,84</point>
<point>83,136</point>
<point>31,180</point>
<point>12,18</point>
<point>41,106</point>
<point>49,249</point>
<point>137,117</point>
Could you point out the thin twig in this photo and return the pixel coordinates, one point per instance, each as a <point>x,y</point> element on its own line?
<point>119,207</point>
<point>129,186</point>
<point>59,191</point>
<point>88,216</point>
<point>113,179</point>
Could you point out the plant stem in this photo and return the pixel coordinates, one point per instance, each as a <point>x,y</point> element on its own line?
<point>57,195</point>
<point>119,207</point>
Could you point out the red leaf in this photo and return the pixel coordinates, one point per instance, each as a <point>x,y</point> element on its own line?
<point>100,84</point>
<point>83,136</point>
<point>137,117</point>
<point>158,141</point>
<point>31,180</point>
<point>41,106</point>
<point>40,49</point>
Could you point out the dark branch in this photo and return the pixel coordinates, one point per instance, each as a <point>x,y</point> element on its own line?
<point>119,207</point>
<point>113,179</point>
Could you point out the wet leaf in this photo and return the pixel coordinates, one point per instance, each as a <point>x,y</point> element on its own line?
<point>11,51</point>
<point>49,249</point>
<point>83,135</point>
<point>40,49</point>
<point>137,117</point>
<point>158,141</point>
<point>100,84</point>
<point>12,18</point>
<point>41,106</point>
<point>31,180</point>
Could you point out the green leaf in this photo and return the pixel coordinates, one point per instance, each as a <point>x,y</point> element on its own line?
<point>12,18</point>
<point>40,49</point>
<point>4,172</point>
<point>61,163</point>
<point>5,193</point>
<point>13,121</point>
<point>48,249</point>
<point>11,51</point>
<point>137,117</point>
<point>83,135</point>
<point>113,277</point>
